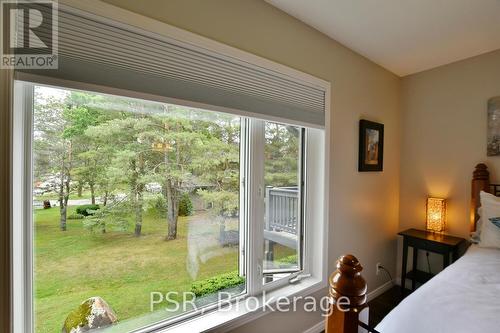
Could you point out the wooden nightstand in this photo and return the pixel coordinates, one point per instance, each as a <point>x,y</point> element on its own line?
<point>430,242</point>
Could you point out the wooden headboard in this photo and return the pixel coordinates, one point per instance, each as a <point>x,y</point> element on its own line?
<point>480,182</point>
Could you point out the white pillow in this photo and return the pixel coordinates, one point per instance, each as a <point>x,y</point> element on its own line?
<point>490,233</point>
<point>475,236</point>
<point>479,222</point>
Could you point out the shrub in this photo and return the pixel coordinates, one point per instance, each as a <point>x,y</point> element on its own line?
<point>87,210</point>
<point>115,216</point>
<point>75,216</point>
<point>290,260</point>
<point>221,203</point>
<point>157,205</point>
<point>216,283</point>
<point>185,205</point>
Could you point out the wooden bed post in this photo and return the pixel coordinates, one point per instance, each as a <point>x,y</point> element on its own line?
<point>480,182</point>
<point>348,288</point>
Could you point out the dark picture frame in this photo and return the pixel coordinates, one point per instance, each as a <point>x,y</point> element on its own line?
<point>371,146</point>
<point>493,126</point>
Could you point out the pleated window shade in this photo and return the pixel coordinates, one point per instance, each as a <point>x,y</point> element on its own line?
<point>98,51</point>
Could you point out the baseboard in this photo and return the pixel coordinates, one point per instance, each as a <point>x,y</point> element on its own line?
<point>380,290</point>
<point>320,327</point>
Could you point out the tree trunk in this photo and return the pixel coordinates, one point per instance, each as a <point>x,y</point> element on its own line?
<point>164,193</point>
<point>63,201</point>
<point>63,211</point>
<point>136,191</point>
<point>92,192</point>
<point>80,189</point>
<point>62,207</point>
<point>133,190</point>
<point>105,199</point>
<point>173,211</point>
<point>65,186</point>
<point>164,186</point>
<point>138,214</point>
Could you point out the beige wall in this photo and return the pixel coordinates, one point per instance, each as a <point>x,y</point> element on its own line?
<point>443,121</point>
<point>364,206</point>
<point>444,118</point>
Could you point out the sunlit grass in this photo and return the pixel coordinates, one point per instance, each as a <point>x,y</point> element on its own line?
<point>74,265</point>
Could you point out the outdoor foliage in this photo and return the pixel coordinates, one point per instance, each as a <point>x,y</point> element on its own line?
<point>185,205</point>
<point>116,148</point>
<point>216,283</point>
<point>116,216</point>
<point>87,210</point>
<point>157,205</point>
<point>281,155</point>
<point>75,216</point>
<point>291,260</point>
<point>133,164</point>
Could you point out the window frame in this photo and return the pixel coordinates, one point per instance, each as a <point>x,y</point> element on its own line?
<point>290,273</point>
<point>251,175</point>
<point>22,236</point>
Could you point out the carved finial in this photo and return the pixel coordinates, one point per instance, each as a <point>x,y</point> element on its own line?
<point>481,172</point>
<point>347,281</point>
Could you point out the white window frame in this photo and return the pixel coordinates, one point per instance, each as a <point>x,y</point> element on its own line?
<point>252,226</point>
<point>22,210</point>
<point>317,173</point>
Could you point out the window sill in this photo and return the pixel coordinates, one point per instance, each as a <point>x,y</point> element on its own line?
<point>227,319</point>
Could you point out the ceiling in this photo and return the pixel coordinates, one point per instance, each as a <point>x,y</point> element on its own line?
<point>404,36</point>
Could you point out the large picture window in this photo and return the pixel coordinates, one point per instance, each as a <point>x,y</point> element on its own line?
<point>160,178</point>
<point>137,207</point>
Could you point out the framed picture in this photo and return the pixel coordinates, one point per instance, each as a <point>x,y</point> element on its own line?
<point>371,146</point>
<point>494,126</point>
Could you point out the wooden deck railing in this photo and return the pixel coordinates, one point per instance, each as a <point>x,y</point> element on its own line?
<point>281,219</point>
<point>282,209</point>
<point>347,290</point>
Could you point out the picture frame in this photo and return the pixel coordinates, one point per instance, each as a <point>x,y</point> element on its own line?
<point>493,135</point>
<point>371,146</point>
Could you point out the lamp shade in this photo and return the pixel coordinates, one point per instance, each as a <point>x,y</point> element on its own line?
<point>436,214</point>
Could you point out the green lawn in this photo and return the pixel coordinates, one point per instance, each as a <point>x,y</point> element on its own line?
<point>74,265</point>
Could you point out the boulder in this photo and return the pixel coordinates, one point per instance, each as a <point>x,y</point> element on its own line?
<point>92,313</point>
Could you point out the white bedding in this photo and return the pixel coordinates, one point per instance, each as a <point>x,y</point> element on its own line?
<point>465,297</point>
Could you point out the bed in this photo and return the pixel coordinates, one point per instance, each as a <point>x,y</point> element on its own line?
<point>464,297</point>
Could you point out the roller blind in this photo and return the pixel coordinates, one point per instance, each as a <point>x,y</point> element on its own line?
<point>98,51</point>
